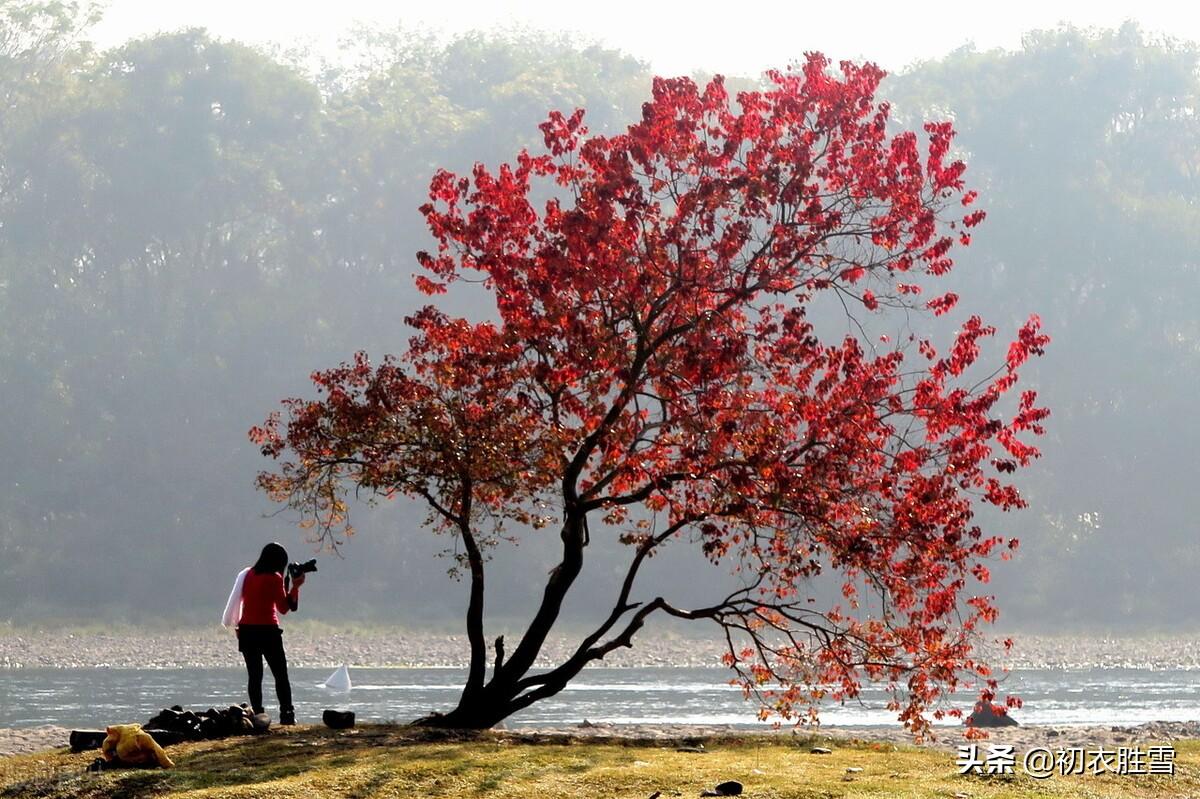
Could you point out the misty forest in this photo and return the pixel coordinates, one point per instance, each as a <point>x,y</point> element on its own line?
<point>189,227</point>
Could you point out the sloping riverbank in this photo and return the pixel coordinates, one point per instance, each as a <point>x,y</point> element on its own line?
<point>401,762</point>
<point>1090,737</point>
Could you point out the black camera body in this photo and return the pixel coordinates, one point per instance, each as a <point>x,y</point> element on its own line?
<point>295,569</point>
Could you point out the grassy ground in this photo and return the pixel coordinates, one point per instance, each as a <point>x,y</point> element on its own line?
<point>392,762</point>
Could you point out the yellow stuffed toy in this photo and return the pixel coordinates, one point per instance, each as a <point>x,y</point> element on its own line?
<point>132,746</point>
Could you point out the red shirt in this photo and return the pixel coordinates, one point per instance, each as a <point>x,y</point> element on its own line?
<point>263,595</point>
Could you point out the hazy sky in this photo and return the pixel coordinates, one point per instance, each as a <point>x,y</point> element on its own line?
<point>675,37</point>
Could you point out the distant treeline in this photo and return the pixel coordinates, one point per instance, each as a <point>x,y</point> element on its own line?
<point>189,226</point>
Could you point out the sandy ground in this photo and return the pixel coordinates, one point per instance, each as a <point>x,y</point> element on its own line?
<point>32,739</point>
<point>36,739</point>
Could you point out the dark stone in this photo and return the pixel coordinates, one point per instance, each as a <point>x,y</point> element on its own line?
<point>167,719</point>
<point>167,737</point>
<point>82,740</point>
<point>730,788</point>
<point>984,715</point>
<point>338,719</point>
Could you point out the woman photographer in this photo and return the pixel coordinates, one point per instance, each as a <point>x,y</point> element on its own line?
<point>259,596</point>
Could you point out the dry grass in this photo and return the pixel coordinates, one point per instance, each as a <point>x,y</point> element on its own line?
<point>381,761</point>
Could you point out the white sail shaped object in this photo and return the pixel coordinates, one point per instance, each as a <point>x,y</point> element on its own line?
<point>339,680</point>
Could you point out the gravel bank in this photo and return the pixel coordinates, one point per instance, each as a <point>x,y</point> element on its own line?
<point>212,648</point>
<point>209,647</point>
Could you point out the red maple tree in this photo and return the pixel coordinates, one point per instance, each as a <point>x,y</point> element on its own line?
<point>652,373</point>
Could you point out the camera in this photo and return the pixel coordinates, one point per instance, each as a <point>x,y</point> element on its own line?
<point>295,569</point>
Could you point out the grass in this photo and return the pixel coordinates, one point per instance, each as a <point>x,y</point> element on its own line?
<point>382,761</point>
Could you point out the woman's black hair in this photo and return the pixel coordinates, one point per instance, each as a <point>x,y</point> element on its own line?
<point>274,558</point>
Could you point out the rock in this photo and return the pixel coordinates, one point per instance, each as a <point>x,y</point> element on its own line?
<point>696,750</point>
<point>820,750</point>
<point>260,723</point>
<point>985,715</point>
<point>338,719</point>
<point>854,769</point>
<point>166,737</point>
<point>82,740</point>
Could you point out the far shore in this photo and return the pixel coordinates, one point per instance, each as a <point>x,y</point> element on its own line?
<point>324,645</point>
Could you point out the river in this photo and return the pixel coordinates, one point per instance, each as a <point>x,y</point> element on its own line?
<point>92,697</point>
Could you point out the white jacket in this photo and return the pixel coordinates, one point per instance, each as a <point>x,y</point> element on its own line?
<point>233,608</point>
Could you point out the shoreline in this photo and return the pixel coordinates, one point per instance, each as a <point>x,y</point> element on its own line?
<point>317,646</point>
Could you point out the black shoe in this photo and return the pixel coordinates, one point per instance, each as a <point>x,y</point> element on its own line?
<point>287,718</point>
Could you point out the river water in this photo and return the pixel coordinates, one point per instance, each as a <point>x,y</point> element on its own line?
<point>95,697</point>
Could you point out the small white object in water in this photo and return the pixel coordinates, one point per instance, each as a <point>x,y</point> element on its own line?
<point>339,680</point>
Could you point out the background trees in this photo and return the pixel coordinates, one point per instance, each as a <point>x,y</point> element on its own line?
<point>131,365</point>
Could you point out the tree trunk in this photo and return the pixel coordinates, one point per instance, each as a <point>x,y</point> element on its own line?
<point>482,706</point>
<point>481,710</point>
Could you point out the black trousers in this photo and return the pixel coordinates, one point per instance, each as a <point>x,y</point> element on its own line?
<point>257,642</point>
